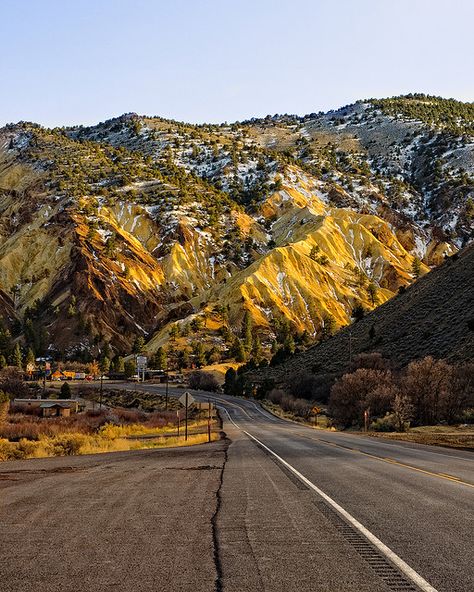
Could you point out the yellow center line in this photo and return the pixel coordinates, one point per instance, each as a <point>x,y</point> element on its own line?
<point>374,456</point>
<point>396,462</point>
<point>450,476</point>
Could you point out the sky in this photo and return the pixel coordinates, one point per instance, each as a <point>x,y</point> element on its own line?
<point>66,62</point>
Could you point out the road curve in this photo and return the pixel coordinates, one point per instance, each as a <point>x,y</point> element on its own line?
<point>416,500</point>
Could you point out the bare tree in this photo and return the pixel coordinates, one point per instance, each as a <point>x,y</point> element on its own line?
<point>460,393</point>
<point>357,392</point>
<point>403,411</point>
<point>426,383</point>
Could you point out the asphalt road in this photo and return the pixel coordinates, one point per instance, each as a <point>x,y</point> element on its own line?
<point>416,500</point>
<point>279,507</point>
<point>125,521</point>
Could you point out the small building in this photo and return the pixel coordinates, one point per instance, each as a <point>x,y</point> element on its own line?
<point>68,375</point>
<point>72,405</point>
<point>54,409</point>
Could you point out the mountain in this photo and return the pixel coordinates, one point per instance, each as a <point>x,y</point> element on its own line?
<point>172,231</point>
<point>434,316</point>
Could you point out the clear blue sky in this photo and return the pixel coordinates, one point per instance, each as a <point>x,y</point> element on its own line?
<point>83,61</point>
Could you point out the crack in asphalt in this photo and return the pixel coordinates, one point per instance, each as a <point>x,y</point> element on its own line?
<point>218,587</point>
<point>198,468</point>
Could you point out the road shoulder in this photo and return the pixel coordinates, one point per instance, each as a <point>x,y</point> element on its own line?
<point>137,521</point>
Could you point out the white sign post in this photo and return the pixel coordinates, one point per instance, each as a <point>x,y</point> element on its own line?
<point>141,362</point>
<point>186,400</point>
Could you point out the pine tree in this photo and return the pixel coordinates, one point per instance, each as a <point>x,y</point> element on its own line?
<point>314,253</point>
<point>328,326</point>
<point>196,324</point>
<point>305,338</point>
<point>229,381</point>
<point>4,406</point>
<point>247,330</point>
<point>110,246</point>
<point>289,344</point>
<point>256,350</point>
<point>105,365</point>
<point>358,312</point>
<point>129,368</point>
<point>71,311</point>
<point>17,357</point>
<point>199,354</point>
<point>119,365</point>
<point>416,268</point>
<point>5,340</point>
<point>469,208</point>
<point>282,329</point>
<point>107,350</point>
<point>160,359</point>
<point>238,351</point>
<point>30,357</point>
<point>372,292</point>
<point>138,344</point>
<point>184,360</point>
<point>65,391</point>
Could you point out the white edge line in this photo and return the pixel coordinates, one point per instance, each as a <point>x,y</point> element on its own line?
<point>391,555</point>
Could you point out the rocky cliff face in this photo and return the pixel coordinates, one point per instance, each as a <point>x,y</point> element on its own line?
<point>141,226</point>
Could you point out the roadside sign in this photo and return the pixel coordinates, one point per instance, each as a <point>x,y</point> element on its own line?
<point>30,367</point>
<point>202,406</point>
<point>186,399</point>
<point>141,362</point>
<point>316,410</point>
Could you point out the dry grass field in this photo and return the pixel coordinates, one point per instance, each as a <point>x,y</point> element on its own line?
<point>114,428</point>
<point>451,436</point>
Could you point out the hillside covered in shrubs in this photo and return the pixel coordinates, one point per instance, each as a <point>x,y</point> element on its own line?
<point>142,228</point>
<point>410,361</point>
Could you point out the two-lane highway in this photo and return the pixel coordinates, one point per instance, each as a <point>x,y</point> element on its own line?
<point>404,511</point>
<point>417,500</point>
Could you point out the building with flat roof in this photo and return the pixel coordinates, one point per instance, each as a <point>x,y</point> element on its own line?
<point>72,406</point>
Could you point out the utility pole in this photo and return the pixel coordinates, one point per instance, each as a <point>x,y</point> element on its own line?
<point>350,346</point>
<point>209,420</point>
<point>166,392</point>
<point>177,415</point>
<point>101,390</point>
<point>186,418</point>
